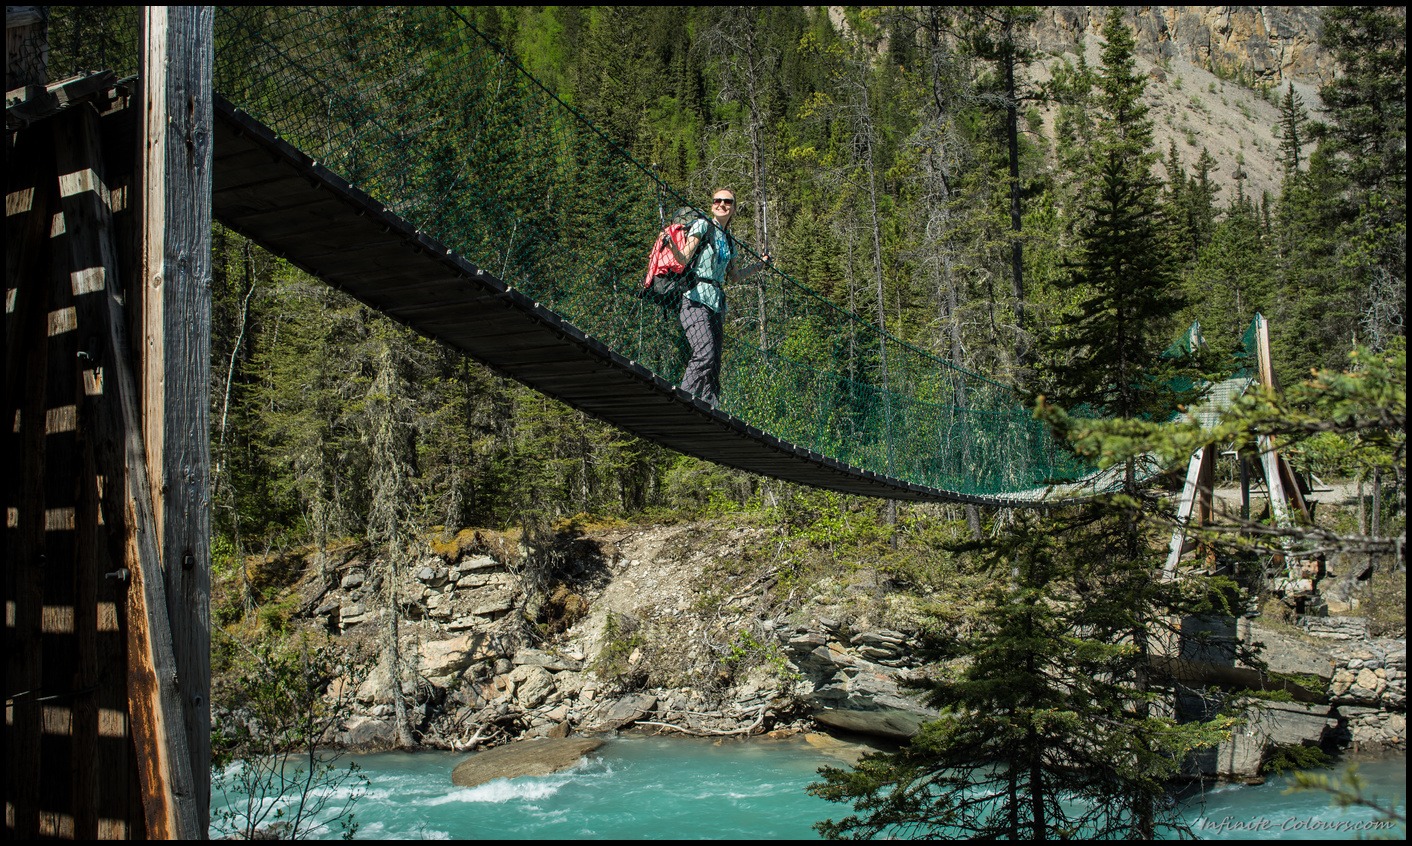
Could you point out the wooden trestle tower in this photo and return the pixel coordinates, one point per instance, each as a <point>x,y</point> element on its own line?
<point>107,325</point>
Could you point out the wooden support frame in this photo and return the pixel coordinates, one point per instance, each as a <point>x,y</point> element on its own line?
<point>155,704</point>
<point>172,301</point>
<point>1281,484</point>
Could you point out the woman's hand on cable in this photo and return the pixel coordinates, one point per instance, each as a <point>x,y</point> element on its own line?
<point>765,261</point>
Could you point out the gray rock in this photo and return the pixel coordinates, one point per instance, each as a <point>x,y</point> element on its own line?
<point>618,713</point>
<point>1237,758</point>
<point>1374,728</point>
<point>523,758</point>
<point>1291,723</point>
<point>439,606</point>
<point>1286,654</point>
<point>474,580</point>
<point>476,562</point>
<point>368,734</point>
<point>881,638</point>
<point>867,699</point>
<point>376,689</point>
<point>433,577</point>
<point>497,605</point>
<point>535,657</point>
<point>1335,628</point>
<point>1267,724</point>
<point>533,685</point>
<point>880,722</point>
<point>807,642</point>
<point>443,660</point>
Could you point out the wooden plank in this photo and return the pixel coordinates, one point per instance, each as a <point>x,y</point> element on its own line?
<point>100,609</point>
<point>121,600</point>
<point>177,72</point>
<point>42,102</point>
<point>67,812</point>
<point>1269,458</point>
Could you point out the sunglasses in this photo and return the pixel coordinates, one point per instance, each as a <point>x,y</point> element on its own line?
<point>727,200</point>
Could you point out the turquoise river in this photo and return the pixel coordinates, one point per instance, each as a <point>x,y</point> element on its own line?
<point>672,788</point>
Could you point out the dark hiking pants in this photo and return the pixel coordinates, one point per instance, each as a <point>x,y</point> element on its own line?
<point>704,334</point>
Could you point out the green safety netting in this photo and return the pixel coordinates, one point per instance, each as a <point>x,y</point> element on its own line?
<point>1217,396</point>
<point>417,108</point>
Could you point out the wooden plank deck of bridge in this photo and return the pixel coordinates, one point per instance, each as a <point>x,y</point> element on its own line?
<point>274,194</point>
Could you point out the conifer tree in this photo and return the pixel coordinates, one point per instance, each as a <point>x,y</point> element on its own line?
<point>1367,103</point>
<point>1125,130</point>
<point>1232,277</point>
<point>1103,355</point>
<point>1292,131</point>
<point>1191,204</point>
<point>1108,358</point>
<point>1340,225</point>
<point>1367,137</point>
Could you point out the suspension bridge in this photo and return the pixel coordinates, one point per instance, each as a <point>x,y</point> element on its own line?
<point>405,159</point>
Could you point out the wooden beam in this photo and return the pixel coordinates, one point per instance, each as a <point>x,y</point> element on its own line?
<point>177,53</point>
<point>155,703</point>
<point>1195,499</point>
<point>1269,458</point>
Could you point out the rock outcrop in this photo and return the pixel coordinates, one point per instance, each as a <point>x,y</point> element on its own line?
<point>1265,726</point>
<point>851,680</point>
<point>1265,44</point>
<point>1371,674</point>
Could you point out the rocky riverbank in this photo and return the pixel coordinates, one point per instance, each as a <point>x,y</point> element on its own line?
<point>684,630</point>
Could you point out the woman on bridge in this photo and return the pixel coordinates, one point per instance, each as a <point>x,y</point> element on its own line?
<point>703,305</point>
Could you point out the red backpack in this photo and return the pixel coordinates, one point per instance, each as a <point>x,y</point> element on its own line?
<point>667,277</point>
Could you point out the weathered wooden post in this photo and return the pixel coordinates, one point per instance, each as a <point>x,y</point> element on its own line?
<point>174,298</point>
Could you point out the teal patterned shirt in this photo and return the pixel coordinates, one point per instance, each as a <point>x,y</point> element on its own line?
<point>711,263</point>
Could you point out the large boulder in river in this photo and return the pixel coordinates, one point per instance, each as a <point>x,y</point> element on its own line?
<point>523,758</point>
<point>870,702</point>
